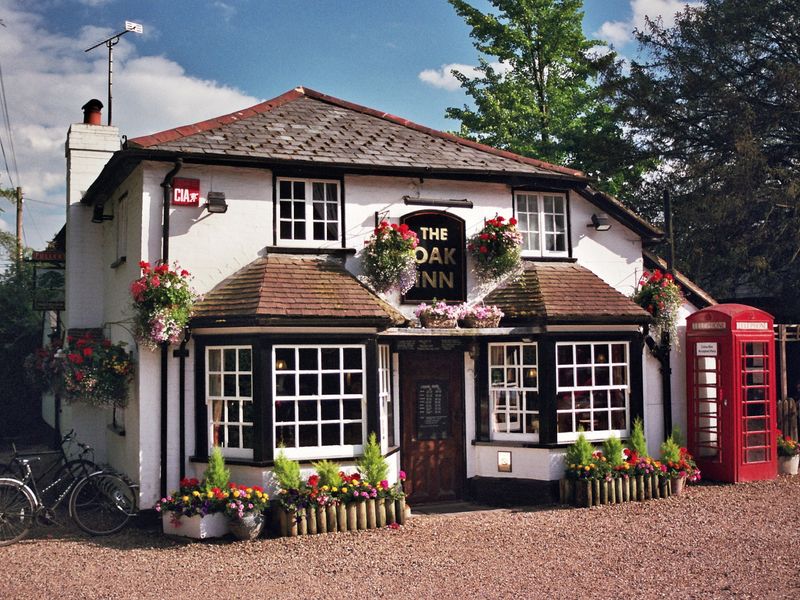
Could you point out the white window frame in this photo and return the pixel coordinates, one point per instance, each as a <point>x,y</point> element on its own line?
<point>388,400</point>
<point>240,452</point>
<point>602,434</point>
<point>308,217</point>
<point>544,223</point>
<point>521,411</point>
<point>318,452</point>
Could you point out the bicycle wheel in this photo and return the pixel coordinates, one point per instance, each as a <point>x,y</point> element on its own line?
<point>16,511</point>
<point>75,470</point>
<point>102,503</point>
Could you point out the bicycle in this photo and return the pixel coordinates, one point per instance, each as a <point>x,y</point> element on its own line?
<point>100,502</point>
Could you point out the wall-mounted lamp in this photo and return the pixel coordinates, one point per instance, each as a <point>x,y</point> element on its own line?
<point>216,203</point>
<point>600,222</point>
<point>98,216</point>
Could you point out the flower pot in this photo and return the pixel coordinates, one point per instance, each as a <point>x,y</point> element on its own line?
<point>333,518</point>
<point>196,527</point>
<point>380,513</point>
<point>437,321</point>
<point>390,514</point>
<point>475,323</point>
<point>322,519</point>
<point>787,465</point>
<point>677,485</point>
<point>248,527</point>
<point>311,520</point>
<point>341,516</point>
<point>400,511</point>
<point>371,513</point>
<point>361,515</point>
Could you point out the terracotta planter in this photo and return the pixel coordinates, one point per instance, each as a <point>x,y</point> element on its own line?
<point>677,485</point>
<point>787,465</point>
<point>436,322</point>
<point>371,514</point>
<point>248,527</point>
<point>197,527</point>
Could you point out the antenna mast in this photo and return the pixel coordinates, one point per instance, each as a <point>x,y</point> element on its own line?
<point>110,43</point>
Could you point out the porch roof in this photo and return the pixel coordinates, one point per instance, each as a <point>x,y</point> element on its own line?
<point>563,292</point>
<point>293,290</point>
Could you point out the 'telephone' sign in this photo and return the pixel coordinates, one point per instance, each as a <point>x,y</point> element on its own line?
<point>440,257</point>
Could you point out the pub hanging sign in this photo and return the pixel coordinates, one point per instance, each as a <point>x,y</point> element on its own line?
<point>441,260</point>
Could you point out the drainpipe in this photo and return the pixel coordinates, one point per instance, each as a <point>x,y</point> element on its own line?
<point>167,186</point>
<point>666,369</point>
<point>182,353</point>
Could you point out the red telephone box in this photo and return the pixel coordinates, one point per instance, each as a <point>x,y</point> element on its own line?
<point>730,380</point>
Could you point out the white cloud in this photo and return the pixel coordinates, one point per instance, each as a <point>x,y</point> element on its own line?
<point>620,33</point>
<point>228,11</point>
<point>443,76</point>
<point>48,77</point>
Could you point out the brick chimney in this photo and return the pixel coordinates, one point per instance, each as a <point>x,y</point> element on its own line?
<point>92,112</point>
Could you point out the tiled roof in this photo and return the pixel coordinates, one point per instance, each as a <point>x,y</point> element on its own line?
<point>561,292</point>
<point>307,126</point>
<point>693,292</point>
<point>287,289</point>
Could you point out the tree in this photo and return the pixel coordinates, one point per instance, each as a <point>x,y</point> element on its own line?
<point>718,101</point>
<point>544,99</point>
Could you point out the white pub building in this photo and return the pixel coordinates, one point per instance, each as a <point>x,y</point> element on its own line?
<point>269,208</point>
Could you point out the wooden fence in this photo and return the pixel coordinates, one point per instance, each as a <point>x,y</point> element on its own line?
<point>787,417</point>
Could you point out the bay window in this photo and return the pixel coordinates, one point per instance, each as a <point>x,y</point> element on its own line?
<point>229,398</point>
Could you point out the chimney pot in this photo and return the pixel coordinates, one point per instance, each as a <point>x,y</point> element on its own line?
<point>91,112</point>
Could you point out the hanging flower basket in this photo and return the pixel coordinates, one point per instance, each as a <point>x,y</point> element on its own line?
<point>439,315</point>
<point>496,249</point>
<point>163,301</point>
<point>659,295</point>
<point>389,258</point>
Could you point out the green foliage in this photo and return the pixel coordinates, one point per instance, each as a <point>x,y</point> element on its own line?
<point>373,466</point>
<point>716,103</point>
<point>286,471</point>
<point>540,95</point>
<point>216,475</point>
<point>670,451</point>
<point>612,450</point>
<point>638,441</point>
<point>678,436</point>
<point>328,472</point>
<point>580,452</point>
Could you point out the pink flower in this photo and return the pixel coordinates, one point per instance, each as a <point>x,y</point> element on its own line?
<point>384,484</point>
<point>402,475</point>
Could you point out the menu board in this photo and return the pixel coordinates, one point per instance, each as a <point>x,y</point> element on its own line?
<point>432,409</point>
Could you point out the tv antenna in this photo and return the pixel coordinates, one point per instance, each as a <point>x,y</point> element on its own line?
<point>110,43</point>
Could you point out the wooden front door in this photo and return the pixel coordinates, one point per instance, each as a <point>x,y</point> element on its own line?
<point>433,425</point>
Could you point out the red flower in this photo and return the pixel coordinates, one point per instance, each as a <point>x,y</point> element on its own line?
<point>144,265</point>
<point>313,481</point>
<point>184,273</point>
<point>155,281</point>
<point>484,236</point>
<point>75,359</point>
<point>483,249</point>
<point>88,351</point>
<point>79,376</point>
<point>512,221</point>
<point>403,228</point>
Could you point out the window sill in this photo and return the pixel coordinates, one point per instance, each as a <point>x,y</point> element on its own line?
<point>119,262</point>
<point>537,258</point>
<point>310,251</point>
<point>270,463</point>
<point>535,445</point>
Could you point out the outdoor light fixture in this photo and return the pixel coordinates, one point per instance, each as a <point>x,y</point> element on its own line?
<point>504,461</point>
<point>216,203</point>
<point>600,222</point>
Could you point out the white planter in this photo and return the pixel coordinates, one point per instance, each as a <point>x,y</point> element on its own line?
<point>196,527</point>
<point>787,465</point>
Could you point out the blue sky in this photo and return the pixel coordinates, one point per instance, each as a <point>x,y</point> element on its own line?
<point>199,59</point>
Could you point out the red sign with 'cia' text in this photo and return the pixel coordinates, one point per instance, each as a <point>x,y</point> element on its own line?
<point>185,192</point>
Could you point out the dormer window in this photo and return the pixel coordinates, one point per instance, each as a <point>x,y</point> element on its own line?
<point>308,212</point>
<point>542,220</point>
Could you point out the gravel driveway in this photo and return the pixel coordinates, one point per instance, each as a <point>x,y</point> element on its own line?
<point>716,541</point>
